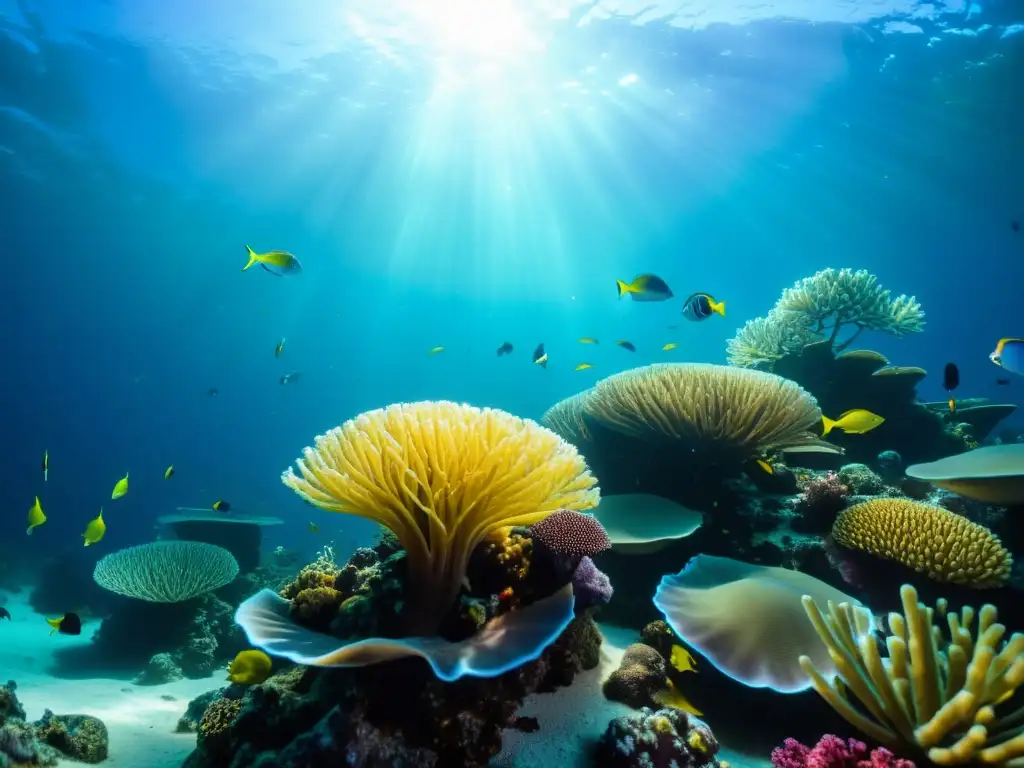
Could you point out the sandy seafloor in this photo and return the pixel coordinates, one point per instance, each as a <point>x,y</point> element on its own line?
<point>141,719</point>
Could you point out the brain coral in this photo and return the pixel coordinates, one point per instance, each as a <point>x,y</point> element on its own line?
<point>931,540</point>
<point>572,533</point>
<point>166,571</point>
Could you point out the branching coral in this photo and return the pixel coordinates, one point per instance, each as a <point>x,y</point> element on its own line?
<point>834,752</point>
<point>442,477</point>
<point>818,308</point>
<point>936,694</point>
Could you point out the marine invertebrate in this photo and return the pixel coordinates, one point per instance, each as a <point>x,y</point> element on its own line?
<point>823,496</point>
<point>218,717</point>
<point>590,585</point>
<point>760,342</point>
<point>660,738</point>
<point>861,480</point>
<point>931,540</point>
<point>166,571</point>
<point>80,737</point>
<point>935,694</point>
<point>570,533</point>
<point>441,477</point>
<point>640,523</point>
<point>641,674</point>
<point>565,418</point>
<point>746,619</point>
<point>710,408</point>
<point>834,752</point>
<point>993,474</point>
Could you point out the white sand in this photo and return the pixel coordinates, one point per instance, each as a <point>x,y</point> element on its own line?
<point>140,723</point>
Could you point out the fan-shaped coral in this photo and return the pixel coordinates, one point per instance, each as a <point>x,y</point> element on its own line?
<point>442,476</point>
<point>994,474</point>
<point>166,571</point>
<point>565,418</point>
<point>746,619</point>
<point>639,523</point>
<point>931,540</point>
<point>935,694</point>
<point>712,408</point>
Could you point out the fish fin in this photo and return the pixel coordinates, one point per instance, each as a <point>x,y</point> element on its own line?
<point>622,287</point>
<point>275,274</point>
<point>844,414</point>
<point>718,307</point>
<point>827,423</point>
<point>253,257</point>
<point>28,531</point>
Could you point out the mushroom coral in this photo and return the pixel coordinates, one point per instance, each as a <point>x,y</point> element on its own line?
<point>442,476</point>
<point>936,695</point>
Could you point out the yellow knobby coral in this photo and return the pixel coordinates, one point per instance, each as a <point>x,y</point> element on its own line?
<point>934,695</point>
<point>317,603</point>
<point>708,407</point>
<point>442,477</point>
<point>219,717</point>
<point>931,540</point>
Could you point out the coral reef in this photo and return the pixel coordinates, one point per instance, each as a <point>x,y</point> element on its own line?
<point>663,738</point>
<point>591,586</point>
<point>641,674</point>
<point>834,752</point>
<point>822,498</point>
<point>78,737</point>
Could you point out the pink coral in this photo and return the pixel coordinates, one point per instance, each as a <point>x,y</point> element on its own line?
<point>834,752</point>
<point>823,496</point>
<point>571,533</point>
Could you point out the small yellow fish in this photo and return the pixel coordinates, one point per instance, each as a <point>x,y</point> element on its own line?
<point>221,506</point>
<point>681,659</point>
<point>249,668</point>
<point>46,465</point>
<point>279,348</point>
<point>35,517</point>
<point>583,366</point>
<point>278,263</point>
<point>435,350</point>
<point>646,287</point>
<point>766,466</point>
<point>588,340</point>
<point>853,422</point>
<point>672,697</point>
<point>669,347</point>
<point>120,488</point>
<point>952,406</point>
<point>314,528</point>
<point>95,530</point>
<point>169,472</point>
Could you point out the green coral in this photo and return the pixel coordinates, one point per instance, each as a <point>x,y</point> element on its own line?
<point>80,737</point>
<point>818,308</point>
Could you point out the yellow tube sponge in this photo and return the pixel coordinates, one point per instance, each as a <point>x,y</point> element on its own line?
<point>931,540</point>
<point>936,694</point>
<point>442,477</point>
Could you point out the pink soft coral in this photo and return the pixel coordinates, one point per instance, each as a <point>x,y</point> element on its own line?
<point>822,499</point>
<point>833,752</point>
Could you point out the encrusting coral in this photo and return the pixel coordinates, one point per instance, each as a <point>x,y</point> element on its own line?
<point>79,737</point>
<point>943,545</point>
<point>663,738</point>
<point>936,695</point>
<point>817,308</point>
<point>641,674</point>
<point>442,477</point>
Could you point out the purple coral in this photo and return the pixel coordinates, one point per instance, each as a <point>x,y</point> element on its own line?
<point>571,533</point>
<point>834,752</point>
<point>590,585</point>
<point>822,499</point>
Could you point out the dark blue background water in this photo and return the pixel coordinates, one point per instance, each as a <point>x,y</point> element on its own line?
<point>142,146</point>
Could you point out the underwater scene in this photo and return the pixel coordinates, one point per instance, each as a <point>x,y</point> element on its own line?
<point>512,383</point>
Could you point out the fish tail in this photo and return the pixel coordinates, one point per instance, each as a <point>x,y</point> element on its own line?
<point>828,423</point>
<point>28,531</point>
<point>718,307</point>
<point>622,287</point>
<point>253,258</point>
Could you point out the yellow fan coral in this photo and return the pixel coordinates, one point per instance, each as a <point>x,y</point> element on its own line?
<point>931,540</point>
<point>442,476</point>
<point>934,695</point>
<point>709,407</point>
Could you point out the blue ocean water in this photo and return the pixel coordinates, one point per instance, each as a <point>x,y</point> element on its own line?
<point>456,174</point>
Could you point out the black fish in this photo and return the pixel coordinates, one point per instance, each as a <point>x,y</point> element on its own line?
<point>1002,382</point>
<point>69,624</point>
<point>213,391</point>
<point>626,345</point>
<point>950,377</point>
<point>4,613</point>
<point>505,349</point>
<point>1015,225</point>
<point>221,506</point>
<point>540,357</point>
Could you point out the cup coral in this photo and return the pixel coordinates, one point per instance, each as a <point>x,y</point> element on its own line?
<point>442,477</point>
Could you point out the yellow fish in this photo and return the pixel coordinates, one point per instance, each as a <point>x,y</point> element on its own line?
<point>681,659</point>
<point>278,263</point>
<point>435,350</point>
<point>249,668</point>
<point>35,517</point>
<point>169,472</point>
<point>670,346</point>
<point>121,488</point>
<point>672,697</point>
<point>95,530</point>
<point>279,348</point>
<point>854,422</point>
<point>646,287</point>
<point>766,466</point>
<point>314,528</point>
<point>583,366</point>
<point>588,340</point>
